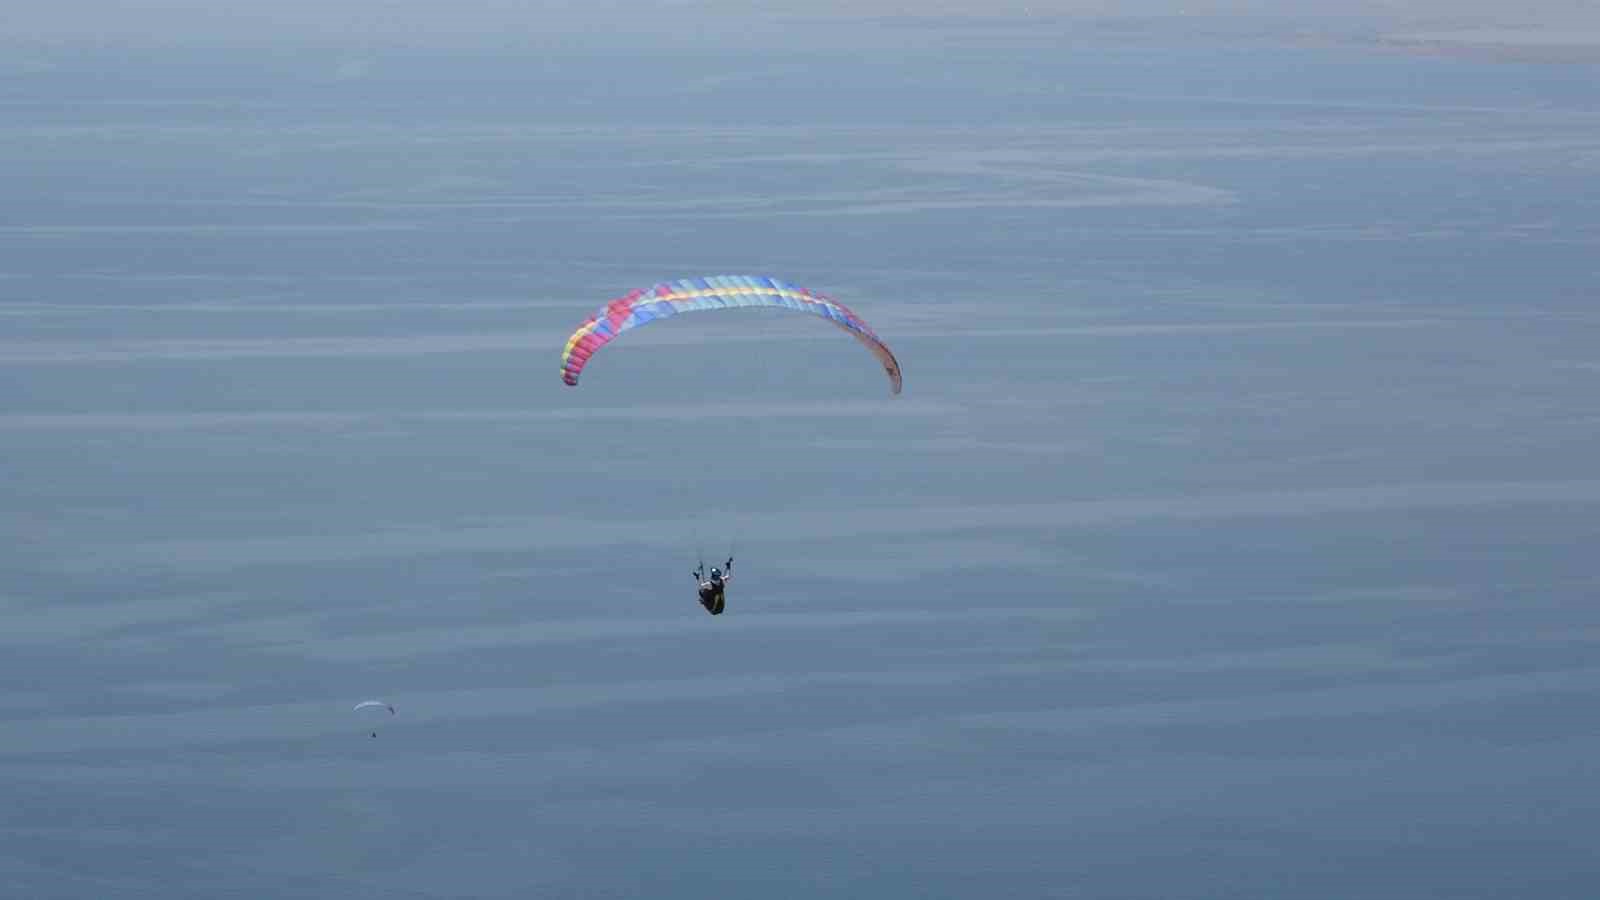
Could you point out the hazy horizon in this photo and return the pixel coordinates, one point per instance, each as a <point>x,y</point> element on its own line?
<point>379,25</point>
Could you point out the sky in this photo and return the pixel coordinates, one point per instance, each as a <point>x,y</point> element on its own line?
<point>1232,535</point>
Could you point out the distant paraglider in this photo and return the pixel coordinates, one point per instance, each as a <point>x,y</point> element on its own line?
<point>369,708</point>
<point>713,293</point>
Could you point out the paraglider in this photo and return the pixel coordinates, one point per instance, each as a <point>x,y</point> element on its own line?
<point>713,293</point>
<point>374,706</point>
<point>712,590</point>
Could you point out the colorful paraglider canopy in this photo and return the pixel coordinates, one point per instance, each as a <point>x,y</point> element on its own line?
<point>713,293</point>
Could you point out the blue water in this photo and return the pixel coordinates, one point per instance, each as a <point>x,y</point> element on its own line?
<point>1232,534</point>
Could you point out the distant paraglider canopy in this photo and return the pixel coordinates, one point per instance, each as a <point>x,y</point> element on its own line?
<point>373,707</point>
<point>716,292</point>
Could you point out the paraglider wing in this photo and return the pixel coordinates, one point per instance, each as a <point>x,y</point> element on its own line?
<point>716,292</point>
<point>374,706</point>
